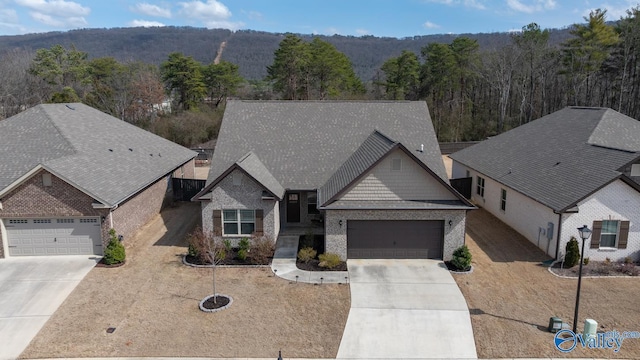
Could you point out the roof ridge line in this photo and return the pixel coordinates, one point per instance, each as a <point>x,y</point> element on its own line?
<point>53,123</point>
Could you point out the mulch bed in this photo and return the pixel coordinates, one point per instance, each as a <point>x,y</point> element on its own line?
<point>227,261</point>
<point>220,301</point>
<point>452,267</point>
<point>313,265</point>
<point>598,268</point>
<point>101,263</point>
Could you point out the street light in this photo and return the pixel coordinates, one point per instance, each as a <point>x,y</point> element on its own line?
<point>584,235</point>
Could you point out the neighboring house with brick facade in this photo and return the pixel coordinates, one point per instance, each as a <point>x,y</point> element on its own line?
<point>367,174</point>
<point>577,166</point>
<point>69,173</point>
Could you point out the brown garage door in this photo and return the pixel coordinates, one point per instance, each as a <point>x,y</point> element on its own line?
<point>395,239</point>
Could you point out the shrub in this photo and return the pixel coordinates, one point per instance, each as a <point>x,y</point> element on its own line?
<point>114,252</point>
<point>306,254</point>
<point>628,260</point>
<point>262,248</point>
<point>461,258</point>
<point>586,261</point>
<point>329,260</point>
<point>607,261</point>
<point>199,245</point>
<point>227,244</point>
<point>242,254</point>
<point>244,244</point>
<point>629,269</point>
<point>572,257</point>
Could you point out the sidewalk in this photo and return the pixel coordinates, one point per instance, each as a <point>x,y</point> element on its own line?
<point>284,265</point>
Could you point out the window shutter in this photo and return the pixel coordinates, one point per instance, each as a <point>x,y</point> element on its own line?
<point>595,234</point>
<point>259,227</point>
<point>217,221</point>
<point>624,234</point>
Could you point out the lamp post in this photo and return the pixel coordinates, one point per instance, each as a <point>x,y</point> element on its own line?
<point>584,235</point>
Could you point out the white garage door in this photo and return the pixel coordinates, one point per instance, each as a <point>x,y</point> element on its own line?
<point>55,236</point>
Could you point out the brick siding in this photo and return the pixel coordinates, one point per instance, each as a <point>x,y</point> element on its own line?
<point>32,199</point>
<point>138,210</point>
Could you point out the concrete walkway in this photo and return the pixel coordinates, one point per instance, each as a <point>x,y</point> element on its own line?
<point>284,265</point>
<point>31,290</point>
<point>405,309</point>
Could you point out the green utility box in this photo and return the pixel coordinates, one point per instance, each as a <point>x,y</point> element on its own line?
<point>555,324</point>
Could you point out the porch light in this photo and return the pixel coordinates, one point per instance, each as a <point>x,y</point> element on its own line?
<point>340,222</point>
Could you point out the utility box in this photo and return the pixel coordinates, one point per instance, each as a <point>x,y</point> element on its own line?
<point>555,324</point>
<point>590,328</point>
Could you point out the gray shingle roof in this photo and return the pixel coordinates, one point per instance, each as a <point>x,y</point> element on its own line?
<point>101,155</point>
<point>560,158</point>
<point>303,143</point>
<point>374,148</point>
<point>256,169</point>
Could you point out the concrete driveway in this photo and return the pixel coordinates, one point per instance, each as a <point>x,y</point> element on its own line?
<point>31,289</point>
<point>408,309</point>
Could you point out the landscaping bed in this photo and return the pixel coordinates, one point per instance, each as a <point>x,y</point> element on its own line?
<point>598,268</point>
<point>315,242</point>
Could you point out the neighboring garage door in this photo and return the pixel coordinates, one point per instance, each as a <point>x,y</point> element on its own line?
<point>55,236</point>
<point>395,239</point>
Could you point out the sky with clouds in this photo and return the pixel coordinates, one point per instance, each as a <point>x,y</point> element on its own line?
<point>391,18</point>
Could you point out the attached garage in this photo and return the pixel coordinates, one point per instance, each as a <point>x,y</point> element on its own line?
<point>53,236</point>
<point>395,239</point>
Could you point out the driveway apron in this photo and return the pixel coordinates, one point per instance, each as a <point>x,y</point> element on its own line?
<point>405,309</point>
<point>31,290</point>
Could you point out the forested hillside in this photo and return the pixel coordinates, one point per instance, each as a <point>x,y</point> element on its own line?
<point>175,82</point>
<point>252,51</point>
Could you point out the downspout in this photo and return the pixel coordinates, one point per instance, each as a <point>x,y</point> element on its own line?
<point>559,234</point>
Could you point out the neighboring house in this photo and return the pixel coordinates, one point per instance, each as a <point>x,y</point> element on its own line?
<point>369,174</point>
<point>69,173</point>
<point>578,166</point>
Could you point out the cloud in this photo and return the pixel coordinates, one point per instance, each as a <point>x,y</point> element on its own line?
<point>145,23</point>
<point>56,13</point>
<point>8,16</point>
<point>152,10</point>
<point>212,13</point>
<point>430,25</point>
<point>332,31</point>
<point>363,32</point>
<point>532,7</point>
<point>253,15</point>
<point>475,4</point>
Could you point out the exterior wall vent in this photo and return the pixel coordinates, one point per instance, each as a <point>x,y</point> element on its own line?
<point>46,179</point>
<point>635,170</point>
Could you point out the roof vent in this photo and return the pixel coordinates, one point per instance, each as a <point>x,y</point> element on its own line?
<point>111,150</point>
<point>69,107</point>
<point>421,148</point>
<point>130,149</point>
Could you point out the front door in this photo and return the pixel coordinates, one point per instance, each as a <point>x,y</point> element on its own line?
<point>293,207</point>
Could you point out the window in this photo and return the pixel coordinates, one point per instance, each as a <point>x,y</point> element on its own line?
<point>480,186</point>
<point>609,233</point>
<point>88,221</point>
<point>503,200</point>
<point>18,221</point>
<point>64,221</point>
<point>42,221</point>
<point>238,222</point>
<point>312,203</point>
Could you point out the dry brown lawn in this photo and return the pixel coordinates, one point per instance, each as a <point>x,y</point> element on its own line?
<point>153,300</point>
<point>511,297</point>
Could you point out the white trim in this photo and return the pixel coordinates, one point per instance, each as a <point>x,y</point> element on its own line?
<point>5,240</point>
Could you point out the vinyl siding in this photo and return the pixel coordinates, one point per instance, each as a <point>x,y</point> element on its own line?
<point>411,182</point>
